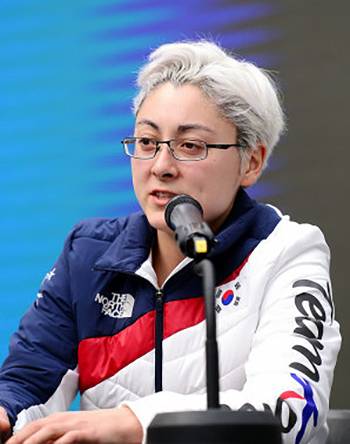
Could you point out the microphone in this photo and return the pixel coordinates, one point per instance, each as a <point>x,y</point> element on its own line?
<point>184,215</point>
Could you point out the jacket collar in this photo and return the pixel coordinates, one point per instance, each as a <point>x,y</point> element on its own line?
<point>240,220</point>
<point>132,245</point>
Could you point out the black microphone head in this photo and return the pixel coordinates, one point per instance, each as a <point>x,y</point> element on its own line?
<point>174,202</point>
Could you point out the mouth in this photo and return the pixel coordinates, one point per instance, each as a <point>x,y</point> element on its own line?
<point>162,197</point>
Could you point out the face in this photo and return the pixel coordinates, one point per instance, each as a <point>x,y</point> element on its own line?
<point>171,112</point>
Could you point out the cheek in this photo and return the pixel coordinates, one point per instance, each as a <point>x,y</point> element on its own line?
<point>218,186</point>
<point>137,171</point>
<point>136,175</point>
<point>222,174</point>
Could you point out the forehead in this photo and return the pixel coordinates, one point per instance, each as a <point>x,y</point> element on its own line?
<point>180,108</point>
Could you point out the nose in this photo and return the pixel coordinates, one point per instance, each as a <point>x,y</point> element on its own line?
<point>164,164</point>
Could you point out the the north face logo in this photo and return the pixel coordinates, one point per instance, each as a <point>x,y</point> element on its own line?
<point>119,305</point>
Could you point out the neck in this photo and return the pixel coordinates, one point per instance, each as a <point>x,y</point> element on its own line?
<point>166,255</point>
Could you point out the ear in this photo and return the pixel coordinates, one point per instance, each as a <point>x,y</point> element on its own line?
<point>252,167</point>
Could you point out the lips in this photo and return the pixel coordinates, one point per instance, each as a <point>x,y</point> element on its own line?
<point>162,196</point>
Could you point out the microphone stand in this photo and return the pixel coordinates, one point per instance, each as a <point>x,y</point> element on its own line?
<point>205,269</point>
<point>218,424</point>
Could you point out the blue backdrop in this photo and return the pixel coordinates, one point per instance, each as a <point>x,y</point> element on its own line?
<point>66,83</point>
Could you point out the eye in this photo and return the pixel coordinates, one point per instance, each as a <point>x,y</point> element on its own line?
<point>191,145</point>
<point>146,143</point>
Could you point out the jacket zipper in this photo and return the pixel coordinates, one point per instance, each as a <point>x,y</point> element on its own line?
<point>158,383</point>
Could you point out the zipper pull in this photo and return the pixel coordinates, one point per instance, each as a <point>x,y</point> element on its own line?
<point>159,298</point>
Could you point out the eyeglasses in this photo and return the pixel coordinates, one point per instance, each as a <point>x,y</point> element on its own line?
<point>181,149</point>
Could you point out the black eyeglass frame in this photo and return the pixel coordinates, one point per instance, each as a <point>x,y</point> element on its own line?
<point>220,146</point>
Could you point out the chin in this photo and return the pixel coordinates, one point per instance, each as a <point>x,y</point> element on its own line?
<point>157,221</point>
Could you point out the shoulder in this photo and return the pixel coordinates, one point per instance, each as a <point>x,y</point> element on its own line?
<point>292,242</point>
<point>296,236</point>
<point>97,234</point>
<point>103,229</point>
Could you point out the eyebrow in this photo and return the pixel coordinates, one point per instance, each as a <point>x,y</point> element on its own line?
<point>180,129</point>
<point>148,122</point>
<point>193,126</point>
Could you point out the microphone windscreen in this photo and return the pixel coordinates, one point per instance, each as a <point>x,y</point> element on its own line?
<point>174,202</point>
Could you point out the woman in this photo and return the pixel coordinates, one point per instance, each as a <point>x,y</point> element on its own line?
<point>121,314</point>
